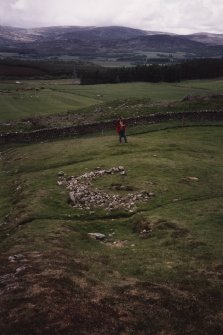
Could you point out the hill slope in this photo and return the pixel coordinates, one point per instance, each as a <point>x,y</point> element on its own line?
<point>97,40</point>
<point>159,269</point>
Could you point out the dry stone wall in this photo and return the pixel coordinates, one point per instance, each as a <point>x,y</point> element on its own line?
<point>54,133</point>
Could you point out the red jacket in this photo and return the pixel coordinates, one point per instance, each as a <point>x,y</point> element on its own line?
<point>119,126</point>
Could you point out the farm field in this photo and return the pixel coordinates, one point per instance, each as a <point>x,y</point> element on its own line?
<point>159,269</point>
<point>38,98</point>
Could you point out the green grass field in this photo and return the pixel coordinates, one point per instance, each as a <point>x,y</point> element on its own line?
<point>54,278</point>
<point>52,97</point>
<point>168,282</point>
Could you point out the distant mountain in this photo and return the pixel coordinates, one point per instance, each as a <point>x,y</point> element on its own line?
<point>69,32</point>
<point>207,38</point>
<point>110,41</point>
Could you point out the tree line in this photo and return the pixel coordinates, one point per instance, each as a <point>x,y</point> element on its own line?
<point>42,68</point>
<point>190,69</point>
<point>90,73</point>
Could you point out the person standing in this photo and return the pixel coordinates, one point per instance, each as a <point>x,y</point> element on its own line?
<point>121,129</point>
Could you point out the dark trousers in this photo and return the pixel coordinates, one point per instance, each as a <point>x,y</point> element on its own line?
<point>122,135</point>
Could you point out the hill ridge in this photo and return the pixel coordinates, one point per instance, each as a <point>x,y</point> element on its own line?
<point>84,40</point>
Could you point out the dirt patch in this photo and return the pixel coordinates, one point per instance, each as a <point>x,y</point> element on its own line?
<point>49,300</point>
<point>117,244</point>
<point>54,295</point>
<point>198,98</point>
<point>145,227</point>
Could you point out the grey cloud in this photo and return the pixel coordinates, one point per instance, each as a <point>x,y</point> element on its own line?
<point>177,16</point>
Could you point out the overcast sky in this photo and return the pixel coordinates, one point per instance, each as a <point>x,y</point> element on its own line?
<point>176,16</point>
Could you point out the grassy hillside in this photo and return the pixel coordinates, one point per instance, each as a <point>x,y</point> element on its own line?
<point>61,103</point>
<point>61,281</point>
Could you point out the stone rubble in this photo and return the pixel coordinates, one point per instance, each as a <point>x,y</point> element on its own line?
<point>83,195</point>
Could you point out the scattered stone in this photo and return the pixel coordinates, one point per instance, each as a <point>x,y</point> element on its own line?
<point>192,178</point>
<point>36,254</point>
<point>189,178</point>
<point>4,279</point>
<point>83,195</point>
<point>20,269</point>
<point>118,244</point>
<point>97,236</point>
<point>61,173</point>
<point>15,258</point>
<point>144,231</point>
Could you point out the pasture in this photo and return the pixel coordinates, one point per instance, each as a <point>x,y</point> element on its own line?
<point>167,281</point>
<point>41,98</point>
